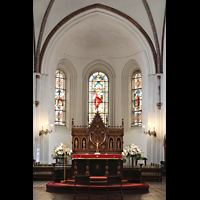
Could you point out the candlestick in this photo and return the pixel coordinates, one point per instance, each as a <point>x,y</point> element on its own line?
<point>143,128</point>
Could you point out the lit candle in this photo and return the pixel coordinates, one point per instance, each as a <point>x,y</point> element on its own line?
<point>149,126</point>
<point>46,125</point>
<point>143,128</point>
<point>42,126</point>
<point>51,126</point>
<point>153,127</point>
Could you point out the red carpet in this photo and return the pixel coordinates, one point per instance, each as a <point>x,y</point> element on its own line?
<point>69,187</point>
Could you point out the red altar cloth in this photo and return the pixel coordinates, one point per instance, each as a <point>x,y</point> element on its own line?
<point>100,156</point>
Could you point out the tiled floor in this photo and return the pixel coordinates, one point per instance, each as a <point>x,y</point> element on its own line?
<point>157,191</point>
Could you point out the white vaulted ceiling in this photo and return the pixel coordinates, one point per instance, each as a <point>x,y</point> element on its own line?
<point>98,36</point>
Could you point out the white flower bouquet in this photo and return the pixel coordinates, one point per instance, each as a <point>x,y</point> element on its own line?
<point>132,150</point>
<point>59,151</point>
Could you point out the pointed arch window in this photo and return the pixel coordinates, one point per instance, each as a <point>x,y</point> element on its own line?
<point>60,98</point>
<point>98,96</point>
<point>136,95</point>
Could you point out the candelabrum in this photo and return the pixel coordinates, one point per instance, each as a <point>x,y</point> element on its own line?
<point>150,132</point>
<point>41,132</point>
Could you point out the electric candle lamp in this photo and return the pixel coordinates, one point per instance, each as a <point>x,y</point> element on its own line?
<point>41,132</point>
<point>143,128</point>
<point>149,131</point>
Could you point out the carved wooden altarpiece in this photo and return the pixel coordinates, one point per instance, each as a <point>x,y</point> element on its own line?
<point>97,136</point>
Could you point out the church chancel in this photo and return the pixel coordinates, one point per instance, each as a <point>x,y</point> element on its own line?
<point>97,149</point>
<point>97,156</point>
<point>100,65</point>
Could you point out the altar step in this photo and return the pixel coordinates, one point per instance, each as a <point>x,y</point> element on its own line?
<point>69,187</point>
<point>96,180</point>
<point>47,172</point>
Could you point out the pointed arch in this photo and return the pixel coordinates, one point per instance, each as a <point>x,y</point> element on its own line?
<point>71,85</point>
<point>90,68</point>
<point>127,73</point>
<point>136,98</point>
<point>90,7</point>
<point>98,100</point>
<point>60,98</point>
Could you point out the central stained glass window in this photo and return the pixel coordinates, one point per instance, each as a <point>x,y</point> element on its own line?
<point>98,96</point>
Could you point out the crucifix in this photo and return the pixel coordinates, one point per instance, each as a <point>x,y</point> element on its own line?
<point>97,144</point>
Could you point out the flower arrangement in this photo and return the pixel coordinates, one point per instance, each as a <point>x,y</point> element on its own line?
<point>59,151</point>
<point>132,150</point>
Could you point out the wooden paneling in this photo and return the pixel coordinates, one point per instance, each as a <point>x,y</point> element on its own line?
<point>110,139</point>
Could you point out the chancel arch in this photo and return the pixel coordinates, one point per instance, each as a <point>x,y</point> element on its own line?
<point>113,36</point>
<point>102,9</point>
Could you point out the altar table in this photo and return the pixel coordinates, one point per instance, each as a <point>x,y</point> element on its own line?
<point>97,165</point>
<point>96,156</point>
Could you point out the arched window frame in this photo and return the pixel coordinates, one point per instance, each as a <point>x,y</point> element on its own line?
<point>60,98</point>
<point>136,99</point>
<point>105,97</point>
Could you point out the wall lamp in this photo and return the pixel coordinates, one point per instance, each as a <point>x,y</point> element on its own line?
<point>41,132</point>
<point>150,132</point>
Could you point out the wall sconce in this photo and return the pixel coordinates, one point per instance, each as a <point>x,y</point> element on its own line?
<point>150,132</point>
<point>41,132</point>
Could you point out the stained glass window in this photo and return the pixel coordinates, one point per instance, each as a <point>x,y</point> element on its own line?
<point>60,98</point>
<point>98,96</point>
<point>136,96</point>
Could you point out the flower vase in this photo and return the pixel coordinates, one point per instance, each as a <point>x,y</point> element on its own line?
<point>129,161</point>
<point>60,160</point>
<point>133,161</point>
